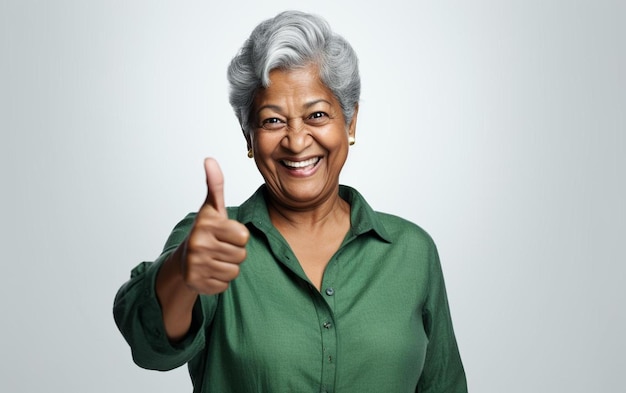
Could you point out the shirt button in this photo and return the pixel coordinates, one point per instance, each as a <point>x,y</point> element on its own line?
<point>330,291</point>
<point>327,325</point>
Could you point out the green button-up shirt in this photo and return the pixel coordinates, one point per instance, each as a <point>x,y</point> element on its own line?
<point>380,322</point>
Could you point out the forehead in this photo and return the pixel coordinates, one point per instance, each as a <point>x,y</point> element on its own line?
<point>294,87</point>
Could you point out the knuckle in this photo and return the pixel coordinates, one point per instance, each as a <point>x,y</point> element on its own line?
<point>243,254</point>
<point>194,242</point>
<point>219,287</point>
<point>245,235</point>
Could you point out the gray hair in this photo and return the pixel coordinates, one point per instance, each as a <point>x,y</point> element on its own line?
<point>293,39</point>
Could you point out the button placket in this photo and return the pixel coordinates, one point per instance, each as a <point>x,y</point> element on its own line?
<point>329,350</point>
<point>326,298</point>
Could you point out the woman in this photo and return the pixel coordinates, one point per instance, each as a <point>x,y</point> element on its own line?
<point>303,287</point>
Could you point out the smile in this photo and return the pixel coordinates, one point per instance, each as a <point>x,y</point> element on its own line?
<point>301,164</point>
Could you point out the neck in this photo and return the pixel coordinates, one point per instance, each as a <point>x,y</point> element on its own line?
<point>329,212</point>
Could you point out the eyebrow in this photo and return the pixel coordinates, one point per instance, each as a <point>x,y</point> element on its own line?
<point>278,108</point>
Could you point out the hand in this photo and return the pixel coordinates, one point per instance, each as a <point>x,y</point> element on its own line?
<point>216,245</point>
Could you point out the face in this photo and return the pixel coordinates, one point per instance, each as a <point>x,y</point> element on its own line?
<point>299,138</point>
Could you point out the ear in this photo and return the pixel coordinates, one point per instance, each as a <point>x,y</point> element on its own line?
<point>248,138</point>
<point>352,125</point>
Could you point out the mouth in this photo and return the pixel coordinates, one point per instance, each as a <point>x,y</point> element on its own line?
<point>301,165</point>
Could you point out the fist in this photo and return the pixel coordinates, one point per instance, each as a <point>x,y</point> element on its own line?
<point>216,245</point>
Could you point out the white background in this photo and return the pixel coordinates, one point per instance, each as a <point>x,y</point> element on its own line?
<point>498,126</point>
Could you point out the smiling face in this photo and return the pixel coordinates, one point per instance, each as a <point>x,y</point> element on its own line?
<point>299,138</point>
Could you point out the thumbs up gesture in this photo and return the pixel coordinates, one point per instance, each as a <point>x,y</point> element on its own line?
<point>216,245</point>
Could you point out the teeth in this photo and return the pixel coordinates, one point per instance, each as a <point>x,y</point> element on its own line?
<point>300,164</point>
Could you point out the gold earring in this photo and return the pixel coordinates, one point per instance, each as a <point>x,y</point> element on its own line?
<point>250,153</point>
<point>351,140</point>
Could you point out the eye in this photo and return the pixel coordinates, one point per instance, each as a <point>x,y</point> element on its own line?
<point>272,123</point>
<point>318,118</point>
<point>318,115</point>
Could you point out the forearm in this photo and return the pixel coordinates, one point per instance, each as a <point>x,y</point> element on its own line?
<point>175,297</point>
<point>139,317</point>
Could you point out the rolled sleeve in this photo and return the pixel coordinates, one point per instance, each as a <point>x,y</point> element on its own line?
<point>139,318</point>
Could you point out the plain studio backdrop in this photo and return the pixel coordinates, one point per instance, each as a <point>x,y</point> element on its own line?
<point>498,126</point>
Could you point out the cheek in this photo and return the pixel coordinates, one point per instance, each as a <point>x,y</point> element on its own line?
<point>265,144</point>
<point>335,140</point>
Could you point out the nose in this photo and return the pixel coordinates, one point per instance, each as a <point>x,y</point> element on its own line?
<point>298,136</point>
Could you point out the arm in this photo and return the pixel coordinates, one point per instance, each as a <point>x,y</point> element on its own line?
<point>443,370</point>
<point>159,311</point>
<point>206,262</point>
<point>175,297</point>
<point>138,314</point>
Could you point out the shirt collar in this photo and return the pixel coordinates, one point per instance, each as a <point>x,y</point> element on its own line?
<point>363,218</point>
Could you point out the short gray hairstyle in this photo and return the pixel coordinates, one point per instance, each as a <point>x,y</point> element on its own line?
<point>290,40</point>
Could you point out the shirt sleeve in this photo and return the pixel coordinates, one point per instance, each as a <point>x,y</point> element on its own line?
<point>138,316</point>
<point>443,370</point>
